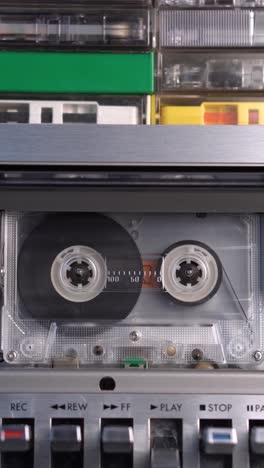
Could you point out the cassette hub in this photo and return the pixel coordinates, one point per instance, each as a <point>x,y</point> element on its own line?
<point>191,272</point>
<point>78,273</point>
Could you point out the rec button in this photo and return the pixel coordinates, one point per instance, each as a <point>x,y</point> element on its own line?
<point>15,438</point>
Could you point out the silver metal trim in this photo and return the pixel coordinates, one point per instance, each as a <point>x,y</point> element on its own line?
<point>133,381</point>
<point>140,145</point>
<point>27,433</point>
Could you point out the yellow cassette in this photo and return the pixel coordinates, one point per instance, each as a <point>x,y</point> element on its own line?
<point>214,113</point>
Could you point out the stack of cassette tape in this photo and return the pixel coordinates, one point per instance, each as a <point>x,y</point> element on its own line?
<point>76,62</point>
<point>211,68</point>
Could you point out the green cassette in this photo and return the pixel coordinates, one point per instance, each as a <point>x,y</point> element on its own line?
<point>54,72</point>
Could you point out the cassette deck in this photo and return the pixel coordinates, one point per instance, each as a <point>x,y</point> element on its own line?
<point>131,252</point>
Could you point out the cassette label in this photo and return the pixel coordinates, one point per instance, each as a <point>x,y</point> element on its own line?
<point>121,110</point>
<point>214,113</point>
<point>47,72</point>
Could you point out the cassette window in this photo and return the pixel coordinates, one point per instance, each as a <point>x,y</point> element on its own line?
<point>154,288</point>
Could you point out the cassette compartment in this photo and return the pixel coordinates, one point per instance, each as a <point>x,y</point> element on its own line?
<point>166,289</point>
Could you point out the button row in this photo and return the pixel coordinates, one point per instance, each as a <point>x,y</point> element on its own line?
<point>117,441</point>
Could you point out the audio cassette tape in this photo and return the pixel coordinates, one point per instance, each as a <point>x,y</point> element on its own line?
<point>227,71</point>
<point>124,289</point>
<point>107,110</point>
<point>75,27</point>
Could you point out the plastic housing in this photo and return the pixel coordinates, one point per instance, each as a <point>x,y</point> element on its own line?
<point>189,71</point>
<point>82,28</point>
<point>214,27</point>
<point>115,110</point>
<point>226,327</point>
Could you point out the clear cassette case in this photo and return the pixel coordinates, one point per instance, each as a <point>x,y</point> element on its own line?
<point>211,27</point>
<point>159,289</point>
<point>80,27</point>
<point>211,3</point>
<point>211,71</point>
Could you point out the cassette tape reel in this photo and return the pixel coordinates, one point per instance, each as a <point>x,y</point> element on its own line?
<point>111,287</point>
<point>63,264</point>
<point>191,272</point>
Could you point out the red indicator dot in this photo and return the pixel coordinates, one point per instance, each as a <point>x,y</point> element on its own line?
<point>13,434</point>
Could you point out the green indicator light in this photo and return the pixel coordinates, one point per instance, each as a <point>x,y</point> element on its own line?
<point>134,362</point>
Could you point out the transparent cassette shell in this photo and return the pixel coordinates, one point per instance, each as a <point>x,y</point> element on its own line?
<point>91,27</point>
<point>226,326</point>
<point>211,3</point>
<point>130,110</point>
<point>200,110</point>
<point>211,27</point>
<point>208,71</point>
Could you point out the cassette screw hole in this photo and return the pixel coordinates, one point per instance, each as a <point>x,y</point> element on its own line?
<point>258,355</point>
<point>197,354</point>
<point>171,350</point>
<point>107,384</point>
<point>11,356</point>
<point>98,350</point>
<point>135,222</point>
<point>134,234</point>
<point>135,336</point>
